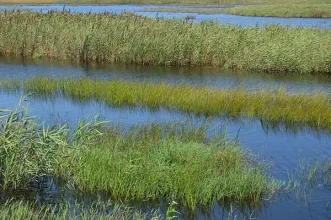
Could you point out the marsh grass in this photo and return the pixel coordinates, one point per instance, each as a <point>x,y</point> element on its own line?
<point>71,210</point>
<point>170,162</point>
<point>309,178</point>
<point>309,109</point>
<point>149,163</point>
<point>284,10</point>
<point>104,38</point>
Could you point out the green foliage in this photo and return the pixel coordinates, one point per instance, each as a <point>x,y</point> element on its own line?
<point>130,39</point>
<point>28,151</point>
<point>149,163</point>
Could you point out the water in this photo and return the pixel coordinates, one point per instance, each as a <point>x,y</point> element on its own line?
<point>283,147</point>
<point>212,77</point>
<point>222,18</point>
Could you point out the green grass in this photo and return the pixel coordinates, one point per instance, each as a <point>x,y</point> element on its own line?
<point>286,10</point>
<point>139,2</point>
<point>97,210</point>
<point>272,106</point>
<point>150,162</point>
<point>171,162</point>
<point>145,41</point>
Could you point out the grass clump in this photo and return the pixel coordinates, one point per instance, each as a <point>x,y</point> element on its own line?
<point>308,109</point>
<point>150,162</point>
<point>93,38</point>
<point>172,162</point>
<point>284,10</point>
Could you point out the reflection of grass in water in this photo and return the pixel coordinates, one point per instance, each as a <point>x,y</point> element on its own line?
<point>271,106</point>
<point>286,10</point>
<point>139,40</point>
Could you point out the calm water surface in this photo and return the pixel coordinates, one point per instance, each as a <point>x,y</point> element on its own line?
<point>282,146</point>
<point>222,18</point>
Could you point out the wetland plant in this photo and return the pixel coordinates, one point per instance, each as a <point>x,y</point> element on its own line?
<point>309,109</point>
<point>171,162</point>
<point>103,38</point>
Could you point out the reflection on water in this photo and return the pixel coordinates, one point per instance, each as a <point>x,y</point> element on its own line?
<point>215,77</point>
<point>222,18</point>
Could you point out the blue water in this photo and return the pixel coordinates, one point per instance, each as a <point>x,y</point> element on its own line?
<point>280,146</point>
<point>222,18</point>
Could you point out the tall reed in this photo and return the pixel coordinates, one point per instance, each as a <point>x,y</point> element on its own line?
<point>139,40</point>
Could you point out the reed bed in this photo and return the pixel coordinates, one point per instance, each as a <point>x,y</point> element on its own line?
<point>284,10</point>
<point>92,38</point>
<point>274,106</point>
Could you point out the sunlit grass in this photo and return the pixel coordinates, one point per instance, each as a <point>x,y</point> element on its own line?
<point>284,10</point>
<point>310,109</point>
<point>150,162</point>
<point>137,40</point>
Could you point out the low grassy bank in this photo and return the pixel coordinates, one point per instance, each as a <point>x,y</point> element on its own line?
<point>273,106</point>
<point>284,10</point>
<point>138,40</point>
<point>187,10</point>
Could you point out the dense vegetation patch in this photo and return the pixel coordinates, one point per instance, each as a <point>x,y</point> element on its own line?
<point>99,38</point>
<point>167,162</point>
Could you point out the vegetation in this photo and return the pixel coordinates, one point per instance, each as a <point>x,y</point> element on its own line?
<point>286,10</point>
<point>186,2</point>
<point>272,106</point>
<point>146,164</point>
<point>97,210</point>
<point>130,39</point>
<point>169,162</point>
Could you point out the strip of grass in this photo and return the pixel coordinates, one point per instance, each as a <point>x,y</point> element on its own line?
<point>273,106</point>
<point>186,10</point>
<point>130,39</point>
<point>185,2</point>
<point>286,10</point>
